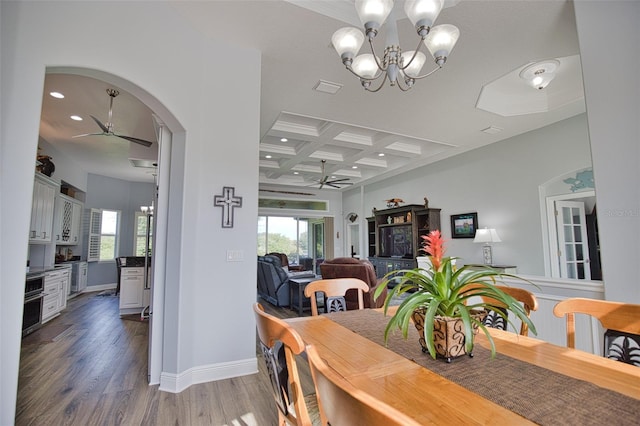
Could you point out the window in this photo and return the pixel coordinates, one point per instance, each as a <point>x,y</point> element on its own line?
<point>140,238</point>
<point>103,235</point>
<point>288,235</point>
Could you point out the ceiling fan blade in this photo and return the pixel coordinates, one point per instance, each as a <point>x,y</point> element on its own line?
<point>339,180</point>
<point>90,134</point>
<point>135,140</point>
<point>102,126</point>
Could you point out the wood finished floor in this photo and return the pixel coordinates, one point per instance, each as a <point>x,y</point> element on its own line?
<point>89,367</point>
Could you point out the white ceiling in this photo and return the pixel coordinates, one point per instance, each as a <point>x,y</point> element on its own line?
<point>438,118</point>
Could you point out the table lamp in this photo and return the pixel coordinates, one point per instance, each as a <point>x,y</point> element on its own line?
<point>486,236</point>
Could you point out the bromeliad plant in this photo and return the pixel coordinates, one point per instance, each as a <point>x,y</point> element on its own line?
<point>442,290</point>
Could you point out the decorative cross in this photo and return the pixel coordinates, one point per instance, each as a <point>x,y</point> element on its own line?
<point>227,201</point>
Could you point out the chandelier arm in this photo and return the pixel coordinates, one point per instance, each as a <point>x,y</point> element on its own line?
<point>428,74</point>
<point>361,77</point>
<point>415,52</point>
<point>405,88</point>
<point>373,51</point>
<point>384,80</point>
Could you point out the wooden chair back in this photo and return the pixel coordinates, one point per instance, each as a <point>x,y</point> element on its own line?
<point>341,404</point>
<point>624,317</point>
<point>287,388</point>
<point>335,287</point>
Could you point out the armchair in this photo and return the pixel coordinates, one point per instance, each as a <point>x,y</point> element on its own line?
<point>284,260</point>
<point>348,267</point>
<point>273,281</point>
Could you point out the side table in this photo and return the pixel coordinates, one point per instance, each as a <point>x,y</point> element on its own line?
<point>298,285</point>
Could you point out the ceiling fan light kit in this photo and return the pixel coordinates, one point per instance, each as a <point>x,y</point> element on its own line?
<point>400,68</point>
<point>330,180</point>
<point>107,128</point>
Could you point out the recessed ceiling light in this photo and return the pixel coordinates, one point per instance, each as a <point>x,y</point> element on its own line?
<point>267,156</point>
<point>354,167</point>
<point>296,173</point>
<point>57,95</point>
<point>381,154</point>
<point>76,118</point>
<point>284,140</point>
<point>333,177</point>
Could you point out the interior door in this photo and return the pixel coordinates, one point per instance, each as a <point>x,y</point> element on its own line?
<point>573,245</point>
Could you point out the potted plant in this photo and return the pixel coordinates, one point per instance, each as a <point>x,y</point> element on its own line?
<point>448,302</point>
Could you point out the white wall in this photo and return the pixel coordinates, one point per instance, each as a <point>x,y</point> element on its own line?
<point>500,182</point>
<point>612,91</point>
<point>178,74</point>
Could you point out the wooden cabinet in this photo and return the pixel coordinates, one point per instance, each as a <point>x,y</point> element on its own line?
<point>67,221</point>
<point>133,295</point>
<point>397,235</point>
<point>41,226</point>
<point>56,284</point>
<point>371,236</point>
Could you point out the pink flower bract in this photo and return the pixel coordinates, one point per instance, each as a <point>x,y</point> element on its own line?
<point>434,246</point>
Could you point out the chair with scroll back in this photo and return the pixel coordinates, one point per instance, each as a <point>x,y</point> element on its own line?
<point>334,292</point>
<point>280,344</point>
<point>621,321</point>
<point>341,403</point>
<point>528,300</point>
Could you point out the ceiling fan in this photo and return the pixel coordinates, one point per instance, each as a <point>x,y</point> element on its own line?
<point>107,128</point>
<point>329,181</point>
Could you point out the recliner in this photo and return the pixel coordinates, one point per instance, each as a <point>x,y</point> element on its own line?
<point>273,281</point>
<point>349,267</point>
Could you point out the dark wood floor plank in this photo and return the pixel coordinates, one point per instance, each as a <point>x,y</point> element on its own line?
<point>89,367</point>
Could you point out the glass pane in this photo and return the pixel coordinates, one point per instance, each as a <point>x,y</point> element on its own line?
<point>569,252</point>
<point>571,270</point>
<point>319,237</point>
<point>262,235</point>
<point>566,215</point>
<point>577,233</point>
<point>303,238</point>
<point>580,267</point>
<point>107,247</point>
<point>141,225</point>
<point>576,215</point>
<point>568,233</point>
<point>579,252</point>
<point>109,222</point>
<point>282,236</point>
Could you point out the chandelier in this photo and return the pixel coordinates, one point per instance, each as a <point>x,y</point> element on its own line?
<point>402,69</point>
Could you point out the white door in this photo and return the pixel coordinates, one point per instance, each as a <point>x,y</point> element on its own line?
<point>573,246</point>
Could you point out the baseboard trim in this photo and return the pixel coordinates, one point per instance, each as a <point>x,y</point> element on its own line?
<point>176,383</point>
<point>100,287</point>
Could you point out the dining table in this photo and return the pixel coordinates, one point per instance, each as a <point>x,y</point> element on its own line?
<point>528,381</point>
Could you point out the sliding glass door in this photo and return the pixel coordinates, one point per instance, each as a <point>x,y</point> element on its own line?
<point>288,235</point>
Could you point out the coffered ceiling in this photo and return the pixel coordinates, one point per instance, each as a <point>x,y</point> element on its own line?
<point>362,136</point>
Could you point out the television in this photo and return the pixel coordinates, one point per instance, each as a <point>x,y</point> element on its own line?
<point>396,241</point>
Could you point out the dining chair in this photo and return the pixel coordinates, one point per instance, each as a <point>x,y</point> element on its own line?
<point>280,344</point>
<point>621,321</point>
<point>529,303</point>
<point>342,404</point>
<point>334,290</point>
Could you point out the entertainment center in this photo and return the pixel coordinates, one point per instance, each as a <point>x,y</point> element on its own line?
<point>394,236</point>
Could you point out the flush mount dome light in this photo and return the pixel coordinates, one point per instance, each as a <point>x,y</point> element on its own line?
<point>540,74</point>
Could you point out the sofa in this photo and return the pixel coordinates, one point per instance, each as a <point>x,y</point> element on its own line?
<point>273,281</point>
<point>348,267</point>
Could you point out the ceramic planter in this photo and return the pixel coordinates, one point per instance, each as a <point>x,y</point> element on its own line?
<point>448,334</point>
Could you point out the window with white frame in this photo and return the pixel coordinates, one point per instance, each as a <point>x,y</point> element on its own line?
<point>143,222</point>
<point>104,229</point>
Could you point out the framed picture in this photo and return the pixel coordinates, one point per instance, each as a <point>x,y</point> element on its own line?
<point>464,225</point>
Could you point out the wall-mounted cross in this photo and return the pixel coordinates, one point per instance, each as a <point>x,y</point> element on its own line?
<point>228,202</point>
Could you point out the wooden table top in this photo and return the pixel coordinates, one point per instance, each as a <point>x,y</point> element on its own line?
<point>402,383</point>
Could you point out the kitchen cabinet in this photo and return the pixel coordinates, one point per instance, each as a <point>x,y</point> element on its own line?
<point>131,289</point>
<point>44,192</point>
<point>78,277</point>
<point>67,221</point>
<point>56,284</point>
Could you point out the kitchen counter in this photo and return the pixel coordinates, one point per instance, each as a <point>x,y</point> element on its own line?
<point>35,270</point>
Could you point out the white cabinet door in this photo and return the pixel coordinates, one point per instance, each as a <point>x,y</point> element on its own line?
<point>55,290</point>
<point>44,192</point>
<point>67,221</point>
<point>131,287</point>
<point>76,223</point>
<point>63,285</point>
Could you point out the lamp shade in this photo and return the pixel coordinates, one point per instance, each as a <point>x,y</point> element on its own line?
<point>373,13</point>
<point>347,42</point>
<point>413,70</point>
<point>365,65</point>
<point>422,13</point>
<point>441,41</point>
<point>486,235</point>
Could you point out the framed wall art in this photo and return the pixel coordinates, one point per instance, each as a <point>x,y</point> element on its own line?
<point>464,225</point>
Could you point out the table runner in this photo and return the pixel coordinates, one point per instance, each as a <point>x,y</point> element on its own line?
<point>540,395</point>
